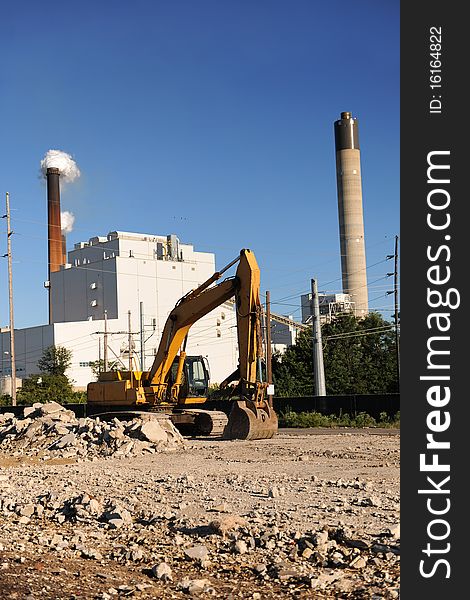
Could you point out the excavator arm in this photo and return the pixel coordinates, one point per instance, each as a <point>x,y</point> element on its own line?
<point>251,416</point>
<point>190,309</point>
<point>201,301</point>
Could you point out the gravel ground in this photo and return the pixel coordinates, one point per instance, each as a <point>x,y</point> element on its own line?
<point>298,516</point>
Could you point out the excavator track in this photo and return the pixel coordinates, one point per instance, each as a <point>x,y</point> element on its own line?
<point>209,423</point>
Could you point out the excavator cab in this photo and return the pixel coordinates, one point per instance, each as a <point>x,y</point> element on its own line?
<point>194,381</point>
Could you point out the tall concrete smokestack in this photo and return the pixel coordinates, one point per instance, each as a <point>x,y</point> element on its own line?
<point>351,221</point>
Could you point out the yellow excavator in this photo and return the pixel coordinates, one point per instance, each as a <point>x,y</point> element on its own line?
<point>177,385</point>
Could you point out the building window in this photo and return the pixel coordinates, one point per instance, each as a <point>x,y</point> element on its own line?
<point>84,364</point>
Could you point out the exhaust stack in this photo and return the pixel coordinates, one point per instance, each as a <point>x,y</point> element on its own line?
<point>55,242</point>
<point>351,221</point>
<point>56,257</point>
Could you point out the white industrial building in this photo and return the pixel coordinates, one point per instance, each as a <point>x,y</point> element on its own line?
<point>123,273</point>
<point>330,305</point>
<point>283,332</point>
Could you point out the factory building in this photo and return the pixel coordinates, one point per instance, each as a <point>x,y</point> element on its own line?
<point>330,305</point>
<point>132,278</point>
<point>283,334</point>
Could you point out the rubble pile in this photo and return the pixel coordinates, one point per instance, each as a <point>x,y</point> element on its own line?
<point>215,519</point>
<point>50,430</point>
<point>103,529</point>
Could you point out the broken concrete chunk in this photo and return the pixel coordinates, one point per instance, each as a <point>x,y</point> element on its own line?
<point>162,571</point>
<point>196,552</point>
<point>50,408</point>
<point>153,431</point>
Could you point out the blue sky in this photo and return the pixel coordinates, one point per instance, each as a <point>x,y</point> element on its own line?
<point>210,119</point>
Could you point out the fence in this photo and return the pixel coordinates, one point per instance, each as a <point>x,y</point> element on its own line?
<point>326,405</point>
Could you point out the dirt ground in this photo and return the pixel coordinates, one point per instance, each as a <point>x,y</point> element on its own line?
<point>298,516</point>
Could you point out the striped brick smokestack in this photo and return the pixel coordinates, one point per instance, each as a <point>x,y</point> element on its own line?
<point>56,255</point>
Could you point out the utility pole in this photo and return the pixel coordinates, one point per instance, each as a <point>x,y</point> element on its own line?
<point>10,295</point>
<point>318,368</point>
<point>269,367</point>
<point>142,343</point>
<point>129,339</point>
<point>395,311</point>
<point>105,341</point>
<point>395,290</point>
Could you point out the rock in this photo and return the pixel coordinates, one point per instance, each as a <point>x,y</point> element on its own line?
<point>240,547</point>
<point>273,492</point>
<point>194,587</point>
<point>372,501</point>
<point>115,523</point>
<point>221,508</point>
<point>94,506</point>
<point>199,586</point>
<point>162,571</point>
<point>153,431</point>
<point>119,514</point>
<point>50,408</point>
<point>285,574</point>
<point>358,563</point>
<point>394,531</point>
<point>321,538</point>
<point>28,410</point>
<point>196,552</point>
<point>66,440</point>
<point>27,511</point>
<point>225,523</point>
<point>261,568</point>
<point>24,520</point>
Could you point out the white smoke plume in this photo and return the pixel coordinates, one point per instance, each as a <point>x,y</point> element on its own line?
<point>68,168</point>
<point>67,219</point>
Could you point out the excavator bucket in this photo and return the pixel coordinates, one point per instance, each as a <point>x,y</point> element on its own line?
<point>246,421</point>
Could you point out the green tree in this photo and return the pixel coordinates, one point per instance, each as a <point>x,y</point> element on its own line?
<point>359,358</point>
<point>5,400</point>
<point>292,371</point>
<point>55,360</point>
<point>51,384</point>
<point>45,388</point>
<point>97,366</point>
